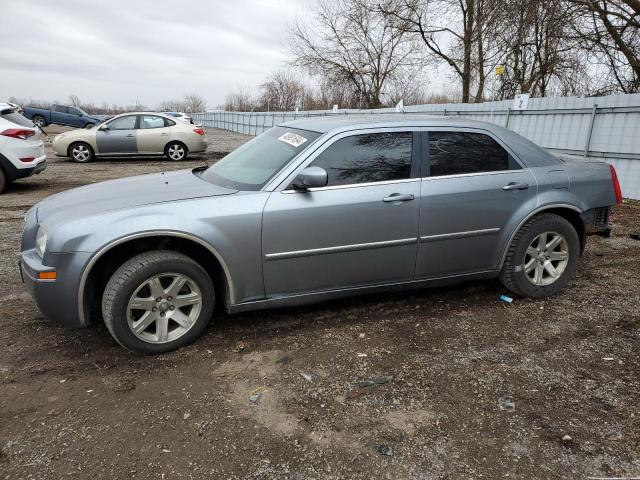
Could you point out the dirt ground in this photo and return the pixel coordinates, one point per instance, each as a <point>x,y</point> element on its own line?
<point>432,384</point>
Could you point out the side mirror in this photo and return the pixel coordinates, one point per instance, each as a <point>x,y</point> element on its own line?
<point>104,127</point>
<point>311,177</point>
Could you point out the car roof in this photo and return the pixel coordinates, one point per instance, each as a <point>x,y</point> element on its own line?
<point>324,124</point>
<point>160,114</point>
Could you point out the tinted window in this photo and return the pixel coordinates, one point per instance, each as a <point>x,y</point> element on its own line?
<point>151,121</point>
<point>61,109</point>
<point>252,165</point>
<point>123,123</point>
<point>169,123</point>
<point>375,157</point>
<point>74,111</point>
<point>455,153</point>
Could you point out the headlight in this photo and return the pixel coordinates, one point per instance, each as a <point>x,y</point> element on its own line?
<point>41,241</point>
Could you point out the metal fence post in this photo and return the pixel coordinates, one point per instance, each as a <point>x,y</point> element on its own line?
<point>594,112</point>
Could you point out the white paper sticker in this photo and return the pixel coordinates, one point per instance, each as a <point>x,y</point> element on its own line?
<point>292,139</point>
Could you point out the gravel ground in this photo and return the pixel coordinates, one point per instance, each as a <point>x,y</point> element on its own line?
<point>433,384</point>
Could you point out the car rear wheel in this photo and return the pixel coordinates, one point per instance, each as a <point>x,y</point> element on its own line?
<point>157,302</point>
<point>176,151</point>
<point>3,181</point>
<point>81,152</point>
<point>542,257</point>
<point>39,121</point>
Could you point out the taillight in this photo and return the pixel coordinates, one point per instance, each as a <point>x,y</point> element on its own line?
<point>616,185</point>
<point>27,159</point>
<point>18,133</point>
<point>199,131</point>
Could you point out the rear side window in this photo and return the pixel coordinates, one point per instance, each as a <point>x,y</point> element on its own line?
<point>123,123</point>
<point>456,153</point>
<point>15,117</point>
<point>374,157</point>
<point>61,109</point>
<point>151,121</point>
<point>169,123</point>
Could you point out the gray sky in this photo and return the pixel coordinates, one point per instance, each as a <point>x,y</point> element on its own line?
<point>148,50</point>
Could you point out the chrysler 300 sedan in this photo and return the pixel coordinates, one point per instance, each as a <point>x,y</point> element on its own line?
<point>313,210</point>
<point>132,134</point>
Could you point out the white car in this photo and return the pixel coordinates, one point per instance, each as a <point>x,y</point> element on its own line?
<point>21,148</point>
<point>183,117</point>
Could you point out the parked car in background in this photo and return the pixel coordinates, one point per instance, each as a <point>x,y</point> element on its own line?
<point>137,133</point>
<point>313,210</point>
<point>60,115</point>
<point>183,117</point>
<point>21,148</point>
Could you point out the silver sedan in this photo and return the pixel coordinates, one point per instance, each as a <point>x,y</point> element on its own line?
<point>130,134</point>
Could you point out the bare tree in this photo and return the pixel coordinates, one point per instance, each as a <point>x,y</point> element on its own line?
<point>539,54</point>
<point>194,103</point>
<point>282,91</point>
<point>610,34</point>
<point>240,101</point>
<point>453,31</point>
<point>74,100</point>
<point>351,43</point>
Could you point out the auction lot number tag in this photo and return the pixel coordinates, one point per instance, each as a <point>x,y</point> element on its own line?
<point>292,139</point>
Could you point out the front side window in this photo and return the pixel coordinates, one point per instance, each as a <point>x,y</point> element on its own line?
<point>151,121</point>
<point>75,111</point>
<point>373,157</point>
<point>456,153</point>
<point>123,123</point>
<point>252,165</point>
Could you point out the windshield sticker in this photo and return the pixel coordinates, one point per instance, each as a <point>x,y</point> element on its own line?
<point>292,139</point>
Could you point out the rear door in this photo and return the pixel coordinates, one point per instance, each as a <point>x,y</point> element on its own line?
<point>152,134</point>
<point>361,229</point>
<point>119,136</point>
<point>472,188</point>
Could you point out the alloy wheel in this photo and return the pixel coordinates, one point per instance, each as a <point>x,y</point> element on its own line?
<point>546,258</point>
<point>164,307</point>
<point>176,152</point>
<point>80,153</point>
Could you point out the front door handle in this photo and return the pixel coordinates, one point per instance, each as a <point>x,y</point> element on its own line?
<point>516,186</point>
<point>398,197</point>
<point>130,135</point>
<point>164,134</point>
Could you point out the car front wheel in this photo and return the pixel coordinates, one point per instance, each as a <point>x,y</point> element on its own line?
<point>176,151</point>
<point>542,257</point>
<point>157,302</point>
<point>81,152</point>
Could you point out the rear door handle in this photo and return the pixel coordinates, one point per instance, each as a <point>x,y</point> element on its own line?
<point>516,186</point>
<point>398,197</point>
<point>164,134</point>
<point>130,135</point>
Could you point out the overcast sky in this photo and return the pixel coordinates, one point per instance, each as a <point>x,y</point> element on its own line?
<point>119,51</point>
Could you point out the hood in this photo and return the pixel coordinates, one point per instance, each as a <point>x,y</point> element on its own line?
<point>127,193</point>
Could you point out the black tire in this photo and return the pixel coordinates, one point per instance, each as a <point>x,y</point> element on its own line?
<point>39,120</point>
<point>3,181</point>
<point>513,275</point>
<point>81,152</point>
<point>88,125</point>
<point>127,279</point>
<point>173,147</point>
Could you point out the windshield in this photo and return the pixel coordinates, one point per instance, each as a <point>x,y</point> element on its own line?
<point>252,165</point>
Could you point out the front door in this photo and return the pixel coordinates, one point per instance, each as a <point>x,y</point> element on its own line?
<point>361,229</point>
<point>471,191</point>
<point>119,136</point>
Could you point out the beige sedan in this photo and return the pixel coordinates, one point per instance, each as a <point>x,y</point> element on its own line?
<point>138,133</point>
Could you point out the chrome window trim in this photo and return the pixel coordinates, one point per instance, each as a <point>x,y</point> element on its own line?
<point>353,185</point>
<point>150,233</point>
<point>475,174</point>
<point>456,235</point>
<point>339,249</point>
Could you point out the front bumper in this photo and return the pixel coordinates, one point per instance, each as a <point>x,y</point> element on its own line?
<point>56,299</point>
